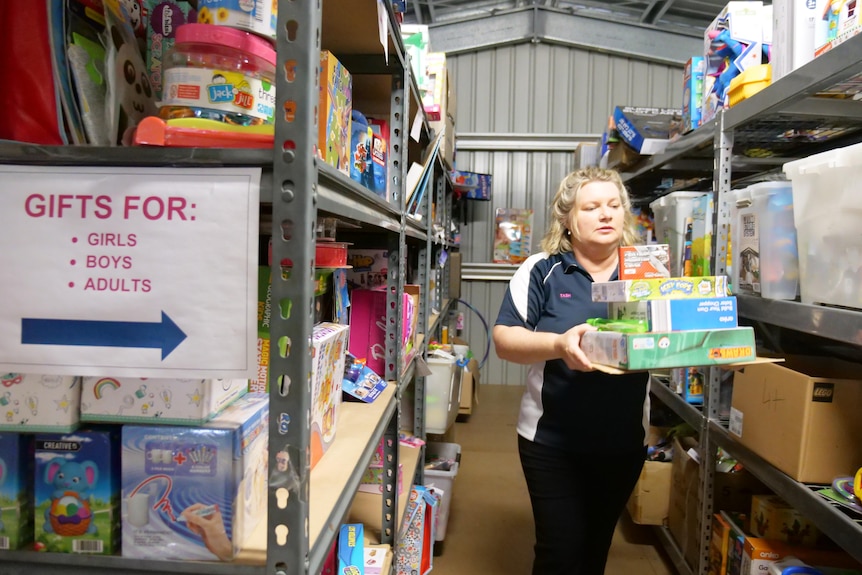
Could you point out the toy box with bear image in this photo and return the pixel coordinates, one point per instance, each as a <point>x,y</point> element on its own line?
<point>16,490</point>
<point>77,489</point>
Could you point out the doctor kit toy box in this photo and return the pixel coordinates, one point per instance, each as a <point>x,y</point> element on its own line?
<point>195,493</point>
<point>34,402</point>
<point>164,401</point>
<point>77,487</point>
<point>16,490</point>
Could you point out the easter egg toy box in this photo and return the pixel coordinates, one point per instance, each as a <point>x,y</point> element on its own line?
<point>170,401</point>
<point>195,493</point>
<point>77,488</point>
<point>16,490</point>
<point>35,403</point>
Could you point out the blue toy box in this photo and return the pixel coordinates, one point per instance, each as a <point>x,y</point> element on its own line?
<point>16,490</point>
<point>77,488</point>
<point>647,130</point>
<point>679,314</point>
<point>195,493</point>
<point>692,93</point>
<point>351,549</point>
<point>471,185</point>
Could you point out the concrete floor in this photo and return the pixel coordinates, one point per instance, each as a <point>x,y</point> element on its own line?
<point>490,526</point>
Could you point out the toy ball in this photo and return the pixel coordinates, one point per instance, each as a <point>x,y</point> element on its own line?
<point>70,515</point>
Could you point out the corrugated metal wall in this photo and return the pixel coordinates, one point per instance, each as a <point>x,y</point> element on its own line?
<point>535,89</point>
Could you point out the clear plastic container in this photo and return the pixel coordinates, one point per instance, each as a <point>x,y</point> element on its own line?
<point>671,212</point>
<point>442,394</point>
<point>219,73</point>
<point>442,481</point>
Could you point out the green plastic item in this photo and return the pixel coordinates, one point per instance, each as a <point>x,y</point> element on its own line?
<point>618,325</point>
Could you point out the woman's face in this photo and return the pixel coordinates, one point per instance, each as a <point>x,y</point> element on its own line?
<point>599,214</point>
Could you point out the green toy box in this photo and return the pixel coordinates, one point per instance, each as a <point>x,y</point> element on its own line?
<point>643,351</point>
<point>16,490</point>
<point>661,288</point>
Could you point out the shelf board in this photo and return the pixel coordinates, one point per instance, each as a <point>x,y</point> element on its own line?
<point>341,196</point>
<point>836,525</point>
<point>360,427</point>
<point>17,153</point>
<point>838,324</point>
<point>676,151</point>
<point>368,507</point>
<point>27,562</point>
<point>688,412</point>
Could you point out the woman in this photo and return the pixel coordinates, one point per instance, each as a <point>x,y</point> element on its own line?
<point>581,432</point>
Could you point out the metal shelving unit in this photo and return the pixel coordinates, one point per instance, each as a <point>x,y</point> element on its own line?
<point>771,123</point>
<point>303,521</point>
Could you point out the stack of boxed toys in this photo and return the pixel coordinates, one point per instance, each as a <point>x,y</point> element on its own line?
<point>656,321</point>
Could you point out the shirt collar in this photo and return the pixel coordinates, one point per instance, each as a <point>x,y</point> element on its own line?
<point>570,264</point>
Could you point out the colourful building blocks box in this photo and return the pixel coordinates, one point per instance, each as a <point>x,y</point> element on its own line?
<point>334,109</point>
<point>661,288</point>
<point>77,492</point>
<point>34,402</point>
<point>644,351</point>
<point>195,493</point>
<point>678,314</point>
<point>16,490</point>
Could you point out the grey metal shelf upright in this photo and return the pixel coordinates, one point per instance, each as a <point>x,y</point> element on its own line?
<point>299,188</point>
<point>772,123</point>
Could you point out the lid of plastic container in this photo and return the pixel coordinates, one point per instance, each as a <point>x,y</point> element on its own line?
<point>224,36</point>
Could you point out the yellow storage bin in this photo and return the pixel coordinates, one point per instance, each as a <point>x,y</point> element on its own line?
<point>750,82</point>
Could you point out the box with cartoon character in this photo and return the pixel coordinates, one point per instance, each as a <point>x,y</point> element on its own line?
<point>77,492</point>
<point>329,346</point>
<point>166,401</point>
<point>334,112</point>
<point>16,490</point>
<point>33,402</point>
<point>195,493</point>
<point>258,16</point>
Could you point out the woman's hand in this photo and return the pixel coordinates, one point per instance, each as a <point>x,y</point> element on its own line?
<point>568,346</point>
<point>209,525</point>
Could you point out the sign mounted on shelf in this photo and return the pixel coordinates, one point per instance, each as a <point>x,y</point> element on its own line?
<point>145,272</point>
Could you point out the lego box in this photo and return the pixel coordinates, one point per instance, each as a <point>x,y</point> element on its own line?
<point>16,490</point>
<point>644,351</point>
<point>647,261</point>
<point>37,403</point>
<point>77,492</point>
<point>661,288</point>
<point>163,401</point>
<point>195,493</point>
<point>678,314</point>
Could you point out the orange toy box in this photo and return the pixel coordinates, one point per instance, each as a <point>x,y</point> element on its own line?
<point>643,262</point>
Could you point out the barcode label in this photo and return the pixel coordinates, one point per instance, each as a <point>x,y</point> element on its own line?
<point>4,543</point>
<point>86,546</point>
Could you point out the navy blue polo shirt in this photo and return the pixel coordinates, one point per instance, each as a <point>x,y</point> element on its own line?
<point>561,407</point>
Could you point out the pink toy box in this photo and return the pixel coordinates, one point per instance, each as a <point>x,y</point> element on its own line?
<point>368,325</point>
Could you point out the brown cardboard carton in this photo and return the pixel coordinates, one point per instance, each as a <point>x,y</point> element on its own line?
<point>650,500</point>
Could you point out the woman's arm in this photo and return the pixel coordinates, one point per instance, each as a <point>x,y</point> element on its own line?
<point>520,345</point>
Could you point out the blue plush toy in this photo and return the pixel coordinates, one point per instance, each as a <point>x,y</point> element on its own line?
<point>69,513</point>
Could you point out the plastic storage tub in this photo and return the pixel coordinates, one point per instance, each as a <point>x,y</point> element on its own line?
<point>671,212</point>
<point>828,217</point>
<point>441,481</point>
<point>442,394</point>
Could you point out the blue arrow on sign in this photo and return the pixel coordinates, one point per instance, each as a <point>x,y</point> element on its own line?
<point>164,335</point>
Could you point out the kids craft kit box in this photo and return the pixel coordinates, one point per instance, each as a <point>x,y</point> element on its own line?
<point>195,493</point>
<point>329,346</point>
<point>33,402</point>
<point>77,492</point>
<point>171,401</point>
<point>16,490</point>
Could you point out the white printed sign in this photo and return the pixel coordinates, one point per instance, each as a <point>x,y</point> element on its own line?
<point>143,272</point>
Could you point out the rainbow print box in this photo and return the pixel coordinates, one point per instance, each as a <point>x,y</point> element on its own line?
<point>32,402</point>
<point>195,493</point>
<point>164,401</point>
<point>16,490</point>
<point>661,288</point>
<point>77,488</point>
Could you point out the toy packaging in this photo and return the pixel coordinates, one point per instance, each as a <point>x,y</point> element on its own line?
<point>360,150</point>
<point>77,492</point>
<point>679,314</point>
<point>360,381</point>
<point>258,16</point>
<point>369,268</point>
<point>701,237</point>
<point>351,549</point>
<point>334,110</point>
<point>692,93</point>
<point>689,382</point>
<point>645,261</point>
<point>329,346</point>
<point>32,402</point>
<point>643,351</point>
<point>647,130</point>
<point>195,493</point>
<point>163,19</point>
<point>416,547</point>
<point>16,490</point>
<point>368,325</point>
<point>774,518</point>
<point>661,288</point>
<point>164,401</point>
<point>471,185</point>
<point>514,236</point>
<point>264,317</point>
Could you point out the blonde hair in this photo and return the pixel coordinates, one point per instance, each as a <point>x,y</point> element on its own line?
<point>557,239</point>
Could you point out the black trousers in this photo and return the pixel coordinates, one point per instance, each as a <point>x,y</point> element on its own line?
<point>577,500</point>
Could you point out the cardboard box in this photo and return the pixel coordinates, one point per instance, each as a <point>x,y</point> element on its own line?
<point>649,502</point>
<point>334,109</point>
<point>369,268</point>
<point>759,554</point>
<point>469,387</point>
<point>260,383</point>
<point>454,275</point>
<point>328,347</point>
<point>173,475</point>
<point>415,554</point>
<point>647,130</point>
<point>692,93</point>
<point>679,314</point>
<point>774,518</point>
<point>16,490</point>
<point>368,321</point>
<point>793,40</point>
<point>471,185</point>
<point>163,19</point>
<point>719,545</point>
<point>661,288</point>
<point>77,492</point>
<point>643,351</point>
<point>33,402</point>
<point>801,416</point>
<point>160,400</point>
<point>646,261</point>
<point>351,549</point>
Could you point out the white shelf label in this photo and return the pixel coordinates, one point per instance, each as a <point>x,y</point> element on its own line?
<point>146,272</point>
<point>736,422</point>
